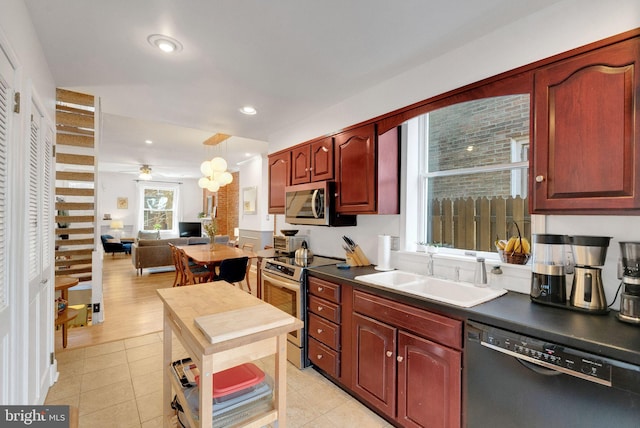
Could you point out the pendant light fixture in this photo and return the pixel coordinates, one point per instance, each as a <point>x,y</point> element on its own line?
<point>215,170</point>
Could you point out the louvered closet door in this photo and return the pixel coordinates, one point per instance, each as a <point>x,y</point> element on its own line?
<point>7,301</point>
<point>40,255</point>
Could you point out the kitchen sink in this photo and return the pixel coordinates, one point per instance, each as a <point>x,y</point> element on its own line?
<point>461,294</point>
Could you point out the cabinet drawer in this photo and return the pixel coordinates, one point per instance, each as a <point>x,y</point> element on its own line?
<point>432,326</point>
<point>324,331</point>
<point>324,289</point>
<point>324,357</point>
<point>324,308</point>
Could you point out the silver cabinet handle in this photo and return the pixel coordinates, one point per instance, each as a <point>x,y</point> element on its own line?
<point>320,308</point>
<point>399,358</point>
<point>389,353</point>
<point>319,356</point>
<point>539,178</point>
<point>320,288</point>
<point>319,331</point>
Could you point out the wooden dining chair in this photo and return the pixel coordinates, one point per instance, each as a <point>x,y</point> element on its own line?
<point>233,271</point>
<point>193,274</point>
<point>177,263</point>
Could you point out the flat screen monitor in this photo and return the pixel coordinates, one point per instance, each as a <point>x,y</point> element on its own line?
<point>187,229</point>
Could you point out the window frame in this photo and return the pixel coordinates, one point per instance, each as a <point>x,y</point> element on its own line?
<point>142,187</point>
<point>419,208</point>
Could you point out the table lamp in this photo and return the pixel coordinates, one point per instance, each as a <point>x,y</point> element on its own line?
<point>116,227</point>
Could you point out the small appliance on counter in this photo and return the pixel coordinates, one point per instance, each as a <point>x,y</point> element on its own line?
<point>630,297</point>
<point>548,280</point>
<point>587,291</point>
<point>288,244</point>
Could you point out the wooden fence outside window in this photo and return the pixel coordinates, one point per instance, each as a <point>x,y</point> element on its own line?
<point>474,223</point>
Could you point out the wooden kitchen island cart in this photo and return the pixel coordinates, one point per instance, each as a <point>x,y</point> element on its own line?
<point>221,326</point>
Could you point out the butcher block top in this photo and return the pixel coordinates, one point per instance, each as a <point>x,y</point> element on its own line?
<point>219,316</point>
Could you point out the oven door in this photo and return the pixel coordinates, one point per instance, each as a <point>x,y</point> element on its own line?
<point>286,295</point>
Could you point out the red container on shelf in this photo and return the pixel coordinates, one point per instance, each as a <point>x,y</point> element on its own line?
<point>228,383</point>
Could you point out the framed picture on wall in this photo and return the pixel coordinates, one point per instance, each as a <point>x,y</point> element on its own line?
<point>123,203</point>
<point>249,196</point>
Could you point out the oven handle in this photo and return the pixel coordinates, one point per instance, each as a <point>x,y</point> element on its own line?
<point>290,285</point>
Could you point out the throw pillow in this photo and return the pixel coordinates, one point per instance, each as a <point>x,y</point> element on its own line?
<point>148,235</point>
<point>113,241</point>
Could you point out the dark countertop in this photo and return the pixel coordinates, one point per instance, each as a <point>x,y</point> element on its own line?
<point>599,334</point>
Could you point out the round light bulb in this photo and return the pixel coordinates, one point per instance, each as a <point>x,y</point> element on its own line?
<point>218,164</point>
<point>227,178</point>
<point>213,186</point>
<point>203,182</point>
<point>205,168</point>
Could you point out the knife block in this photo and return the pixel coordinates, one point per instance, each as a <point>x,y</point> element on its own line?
<point>357,258</point>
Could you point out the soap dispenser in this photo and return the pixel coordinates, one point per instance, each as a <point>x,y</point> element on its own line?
<point>480,275</point>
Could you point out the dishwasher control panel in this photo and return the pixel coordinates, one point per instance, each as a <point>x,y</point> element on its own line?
<point>546,354</point>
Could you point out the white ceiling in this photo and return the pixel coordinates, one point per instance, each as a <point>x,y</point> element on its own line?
<point>289,59</point>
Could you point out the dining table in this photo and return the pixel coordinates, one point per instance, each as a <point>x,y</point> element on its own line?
<point>212,254</point>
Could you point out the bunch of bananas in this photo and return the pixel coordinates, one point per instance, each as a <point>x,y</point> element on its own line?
<point>515,245</point>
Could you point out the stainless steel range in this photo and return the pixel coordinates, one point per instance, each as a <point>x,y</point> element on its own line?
<point>282,285</point>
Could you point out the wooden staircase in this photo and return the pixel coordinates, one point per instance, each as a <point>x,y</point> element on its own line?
<point>75,184</point>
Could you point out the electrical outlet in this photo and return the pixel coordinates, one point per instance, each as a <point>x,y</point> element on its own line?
<point>96,307</point>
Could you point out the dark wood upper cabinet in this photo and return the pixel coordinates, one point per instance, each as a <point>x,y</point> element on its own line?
<point>587,133</point>
<point>367,171</point>
<point>322,159</point>
<point>279,178</point>
<point>312,162</point>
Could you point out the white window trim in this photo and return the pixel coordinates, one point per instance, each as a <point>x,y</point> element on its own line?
<point>143,185</point>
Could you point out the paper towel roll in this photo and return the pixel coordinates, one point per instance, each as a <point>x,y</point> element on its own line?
<point>384,252</point>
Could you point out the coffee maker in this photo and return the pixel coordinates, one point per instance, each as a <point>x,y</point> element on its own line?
<point>548,280</point>
<point>630,297</point>
<point>587,290</point>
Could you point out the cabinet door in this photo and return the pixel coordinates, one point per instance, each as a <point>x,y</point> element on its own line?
<point>587,131</point>
<point>279,178</point>
<point>429,378</point>
<point>356,171</point>
<point>374,363</point>
<point>300,165</point>
<point>322,159</point>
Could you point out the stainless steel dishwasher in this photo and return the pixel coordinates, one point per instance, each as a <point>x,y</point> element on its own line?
<point>512,380</point>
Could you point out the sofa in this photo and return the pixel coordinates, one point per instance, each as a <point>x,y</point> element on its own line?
<point>148,253</point>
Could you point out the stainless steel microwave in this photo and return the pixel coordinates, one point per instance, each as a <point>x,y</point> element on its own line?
<point>313,204</point>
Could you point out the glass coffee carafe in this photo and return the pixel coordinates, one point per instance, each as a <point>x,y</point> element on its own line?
<point>548,269</point>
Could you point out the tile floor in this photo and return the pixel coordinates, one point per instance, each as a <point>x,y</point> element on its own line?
<point>119,384</point>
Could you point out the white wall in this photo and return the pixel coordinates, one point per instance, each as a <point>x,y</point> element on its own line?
<point>254,172</point>
<point>553,30</point>
<point>112,185</point>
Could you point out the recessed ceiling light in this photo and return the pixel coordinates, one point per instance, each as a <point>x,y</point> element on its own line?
<point>248,110</point>
<point>148,141</point>
<point>164,43</point>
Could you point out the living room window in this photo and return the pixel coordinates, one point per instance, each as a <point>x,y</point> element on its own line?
<point>158,207</point>
<point>472,173</point>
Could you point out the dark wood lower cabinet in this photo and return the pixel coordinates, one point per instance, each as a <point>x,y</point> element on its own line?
<point>374,370</point>
<point>403,361</point>
<point>428,383</point>
<point>406,362</point>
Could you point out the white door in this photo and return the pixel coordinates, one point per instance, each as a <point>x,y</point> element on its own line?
<point>39,255</point>
<point>7,288</point>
